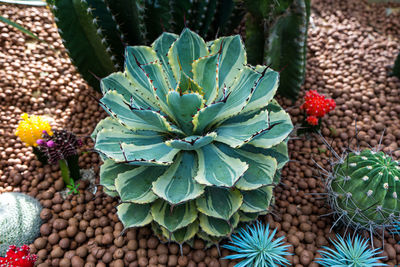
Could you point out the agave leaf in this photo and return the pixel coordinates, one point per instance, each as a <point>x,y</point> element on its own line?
<point>278,152</point>
<point>162,45</point>
<point>107,123</point>
<point>256,200</point>
<point>111,193</point>
<point>219,203</point>
<point>135,58</point>
<point>217,227</point>
<point>119,82</point>
<point>236,134</point>
<point>130,116</point>
<point>136,148</point>
<point>192,142</point>
<point>264,92</point>
<point>261,169</point>
<point>236,100</point>
<point>182,235</point>
<point>184,107</point>
<point>134,215</point>
<point>283,127</point>
<point>247,217</point>
<point>135,185</point>
<point>109,171</point>
<point>176,185</point>
<point>205,73</point>
<point>188,47</point>
<point>173,217</point>
<point>159,81</point>
<point>233,57</point>
<point>217,168</point>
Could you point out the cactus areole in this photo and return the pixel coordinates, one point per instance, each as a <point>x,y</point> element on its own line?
<point>364,190</point>
<point>194,142</point>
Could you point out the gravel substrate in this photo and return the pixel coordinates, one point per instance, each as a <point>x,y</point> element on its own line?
<point>352,46</point>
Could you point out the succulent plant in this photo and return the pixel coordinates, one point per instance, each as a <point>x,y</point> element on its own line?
<point>194,139</point>
<point>18,257</point>
<point>352,252</point>
<point>255,245</point>
<point>19,220</point>
<point>95,32</point>
<point>31,128</point>
<point>364,188</point>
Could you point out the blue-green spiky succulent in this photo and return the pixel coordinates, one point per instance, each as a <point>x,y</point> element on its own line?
<point>255,245</point>
<point>194,142</point>
<point>19,220</point>
<point>350,252</point>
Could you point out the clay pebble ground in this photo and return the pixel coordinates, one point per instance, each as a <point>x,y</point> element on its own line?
<point>351,47</point>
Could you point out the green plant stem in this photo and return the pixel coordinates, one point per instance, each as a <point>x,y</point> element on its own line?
<point>64,171</point>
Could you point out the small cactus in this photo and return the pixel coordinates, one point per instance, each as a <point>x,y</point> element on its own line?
<point>30,129</point>
<point>19,220</point>
<point>364,189</point>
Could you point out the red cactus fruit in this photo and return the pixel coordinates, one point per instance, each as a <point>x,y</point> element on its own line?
<point>316,106</point>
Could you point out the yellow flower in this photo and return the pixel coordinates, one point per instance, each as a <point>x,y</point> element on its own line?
<point>31,128</point>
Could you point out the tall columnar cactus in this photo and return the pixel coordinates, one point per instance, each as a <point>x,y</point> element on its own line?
<point>364,190</point>
<point>194,141</point>
<point>95,32</point>
<point>396,68</point>
<point>19,220</point>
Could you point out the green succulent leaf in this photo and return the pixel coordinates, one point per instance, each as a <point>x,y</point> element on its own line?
<point>134,215</point>
<point>233,58</point>
<point>132,117</point>
<point>119,82</point>
<point>173,217</point>
<point>257,200</point>
<point>264,92</point>
<point>247,217</point>
<point>217,168</point>
<point>182,235</point>
<point>184,107</point>
<point>283,127</point>
<point>236,134</point>
<point>109,172</point>
<point>217,227</point>
<point>187,48</point>
<point>135,185</point>
<point>205,73</point>
<point>176,185</point>
<point>278,152</point>
<point>261,169</point>
<point>192,142</point>
<point>162,46</point>
<point>219,203</point>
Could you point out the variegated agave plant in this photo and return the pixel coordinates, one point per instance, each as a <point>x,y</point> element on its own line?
<point>194,142</point>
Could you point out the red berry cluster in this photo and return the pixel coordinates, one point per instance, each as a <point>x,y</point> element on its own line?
<point>18,257</point>
<point>316,106</point>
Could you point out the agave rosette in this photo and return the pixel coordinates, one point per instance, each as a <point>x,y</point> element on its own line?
<point>194,141</point>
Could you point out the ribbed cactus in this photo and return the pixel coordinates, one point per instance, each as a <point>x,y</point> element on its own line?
<point>95,32</point>
<point>19,220</point>
<point>194,142</point>
<point>364,189</point>
<point>396,68</point>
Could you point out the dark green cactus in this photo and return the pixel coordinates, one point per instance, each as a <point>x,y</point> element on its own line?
<point>364,189</point>
<point>396,68</point>
<point>95,32</point>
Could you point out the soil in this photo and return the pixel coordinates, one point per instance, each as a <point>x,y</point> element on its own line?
<point>351,48</point>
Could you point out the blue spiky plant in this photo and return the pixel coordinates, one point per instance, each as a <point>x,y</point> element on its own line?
<point>352,252</point>
<point>255,245</point>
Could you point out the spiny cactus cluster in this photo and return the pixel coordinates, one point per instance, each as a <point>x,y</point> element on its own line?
<point>194,142</point>
<point>364,190</point>
<point>95,32</point>
<point>19,220</point>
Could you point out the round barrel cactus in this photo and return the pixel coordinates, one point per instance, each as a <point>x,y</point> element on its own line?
<point>19,220</point>
<point>364,190</point>
<point>194,142</point>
